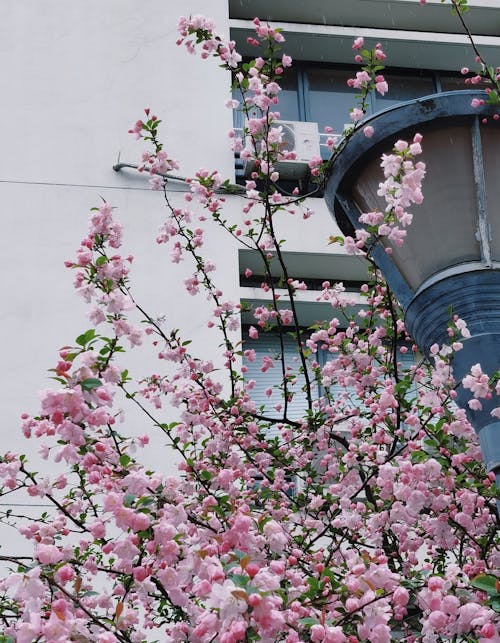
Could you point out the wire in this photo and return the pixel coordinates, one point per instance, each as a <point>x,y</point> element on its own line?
<point>14,504</point>
<point>86,185</point>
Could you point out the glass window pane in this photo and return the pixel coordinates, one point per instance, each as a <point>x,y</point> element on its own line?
<point>403,88</point>
<point>330,99</point>
<point>454,82</point>
<point>288,106</point>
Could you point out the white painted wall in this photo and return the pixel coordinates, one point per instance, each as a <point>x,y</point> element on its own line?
<point>76,75</point>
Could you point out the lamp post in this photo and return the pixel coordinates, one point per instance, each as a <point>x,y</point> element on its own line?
<point>450,259</point>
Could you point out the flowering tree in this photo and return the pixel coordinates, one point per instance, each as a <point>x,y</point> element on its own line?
<point>369,518</point>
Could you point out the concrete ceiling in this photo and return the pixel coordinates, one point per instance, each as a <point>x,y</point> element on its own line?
<point>413,49</point>
<point>413,35</point>
<point>407,15</point>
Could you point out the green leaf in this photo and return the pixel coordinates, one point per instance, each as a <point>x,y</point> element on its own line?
<point>125,460</point>
<point>308,621</point>
<point>418,456</point>
<point>90,383</point>
<point>493,97</point>
<point>145,500</point>
<point>84,338</point>
<point>239,580</point>
<point>314,587</point>
<point>485,583</point>
<point>58,379</point>
<point>128,499</point>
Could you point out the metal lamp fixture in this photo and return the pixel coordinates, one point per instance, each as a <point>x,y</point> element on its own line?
<point>450,259</point>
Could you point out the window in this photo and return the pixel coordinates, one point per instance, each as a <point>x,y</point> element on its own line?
<point>328,98</point>
<point>270,380</point>
<point>319,93</point>
<point>403,87</point>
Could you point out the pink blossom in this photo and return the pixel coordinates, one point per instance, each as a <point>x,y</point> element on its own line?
<point>435,583</point>
<point>106,637</point>
<point>381,85</point>
<point>317,632</point>
<point>488,631</point>
<point>48,554</point>
<point>361,80</point>
<point>438,619</point>
<point>29,629</point>
<point>334,634</point>
<point>156,183</point>
<point>477,382</point>
<point>275,535</point>
<point>356,114</point>
<point>225,598</point>
<point>65,574</point>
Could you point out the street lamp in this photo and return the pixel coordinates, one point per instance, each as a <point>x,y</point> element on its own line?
<point>450,259</point>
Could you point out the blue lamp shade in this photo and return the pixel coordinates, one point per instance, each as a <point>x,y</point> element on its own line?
<point>438,236</point>
<point>450,259</point>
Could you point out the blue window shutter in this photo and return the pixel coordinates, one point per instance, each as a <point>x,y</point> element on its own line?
<point>268,345</point>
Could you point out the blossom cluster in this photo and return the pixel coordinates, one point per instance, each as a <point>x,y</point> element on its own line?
<point>402,188</point>
<point>368,80</point>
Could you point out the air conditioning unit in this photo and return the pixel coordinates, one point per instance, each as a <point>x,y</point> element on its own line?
<point>299,137</point>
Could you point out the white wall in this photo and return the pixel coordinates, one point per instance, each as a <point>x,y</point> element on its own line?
<point>76,75</point>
